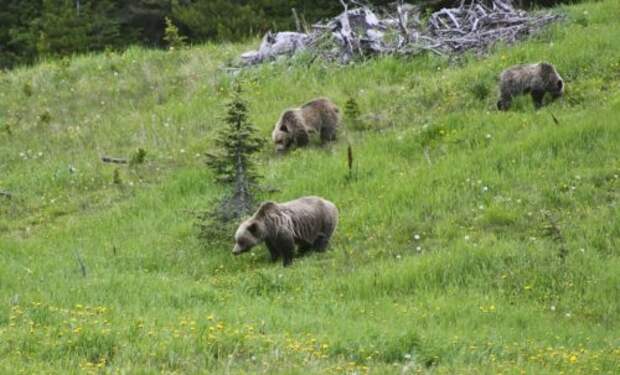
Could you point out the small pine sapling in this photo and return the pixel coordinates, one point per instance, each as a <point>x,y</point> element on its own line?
<point>172,36</point>
<point>5,126</point>
<point>116,177</point>
<point>352,115</point>
<point>137,157</point>
<point>234,166</point>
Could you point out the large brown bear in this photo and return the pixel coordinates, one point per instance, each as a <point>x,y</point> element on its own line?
<point>535,79</point>
<point>307,222</point>
<point>320,116</point>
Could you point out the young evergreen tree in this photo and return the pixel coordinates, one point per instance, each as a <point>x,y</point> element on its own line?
<point>172,36</point>
<point>352,114</point>
<point>233,162</point>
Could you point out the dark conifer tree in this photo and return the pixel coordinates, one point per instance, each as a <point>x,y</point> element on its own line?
<point>233,161</point>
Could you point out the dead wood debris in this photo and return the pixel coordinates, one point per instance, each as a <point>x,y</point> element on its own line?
<point>109,159</point>
<point>362,31</point>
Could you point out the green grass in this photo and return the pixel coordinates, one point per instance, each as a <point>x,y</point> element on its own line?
<point>445,260</point>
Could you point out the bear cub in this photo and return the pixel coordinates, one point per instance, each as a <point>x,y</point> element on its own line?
<point>320,116</point>
<point>535,79</point>
<point>307,223</point>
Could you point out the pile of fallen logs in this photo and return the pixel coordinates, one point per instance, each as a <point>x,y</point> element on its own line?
<point>477,27</point>
<point>362,31</point>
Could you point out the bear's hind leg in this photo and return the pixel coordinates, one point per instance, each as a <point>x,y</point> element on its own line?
<point>321,243</point>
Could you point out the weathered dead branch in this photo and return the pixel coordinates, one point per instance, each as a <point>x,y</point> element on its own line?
<point>109,159</point>
<point>279,44</point>
<point>359,31</point>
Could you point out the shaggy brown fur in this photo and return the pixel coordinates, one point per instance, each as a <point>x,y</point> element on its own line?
<point>307,222</point>
<point>320,116</point>
<point>535,79</point>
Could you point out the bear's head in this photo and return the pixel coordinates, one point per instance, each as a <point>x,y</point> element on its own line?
<point>555,83</point>
<point>288,132</point>
<point>558,87</point>
<point>253,231</point>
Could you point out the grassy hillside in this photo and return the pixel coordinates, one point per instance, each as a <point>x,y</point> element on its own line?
<point>470,241</point>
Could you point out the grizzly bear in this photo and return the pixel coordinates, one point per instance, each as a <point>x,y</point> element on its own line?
<point>535,79</point>
<point>307,222</point>
<point>320,116</point>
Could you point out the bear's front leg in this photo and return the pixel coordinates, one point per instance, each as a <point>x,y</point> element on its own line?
<point>273,250</point>
<point>503,104</point>
<point>327,134</point>
<point>302,138</point>
<point>284,244</point>
<point>537,97</point>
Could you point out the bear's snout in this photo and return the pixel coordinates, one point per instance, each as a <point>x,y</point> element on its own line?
<point>237,250</point>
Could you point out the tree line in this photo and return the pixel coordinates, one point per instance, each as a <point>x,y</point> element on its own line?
<point>33,29</point>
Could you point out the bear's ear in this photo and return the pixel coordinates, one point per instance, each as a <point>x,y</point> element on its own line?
<point>265,208</point>
<point>253,228</point>
<point>289,118</point>
<point>560,84</point>
<point>546,69</point>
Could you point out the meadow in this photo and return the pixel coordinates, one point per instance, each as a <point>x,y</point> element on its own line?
<point>471,241</point>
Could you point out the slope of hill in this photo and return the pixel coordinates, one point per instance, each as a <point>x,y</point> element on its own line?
<point>471,241</point>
